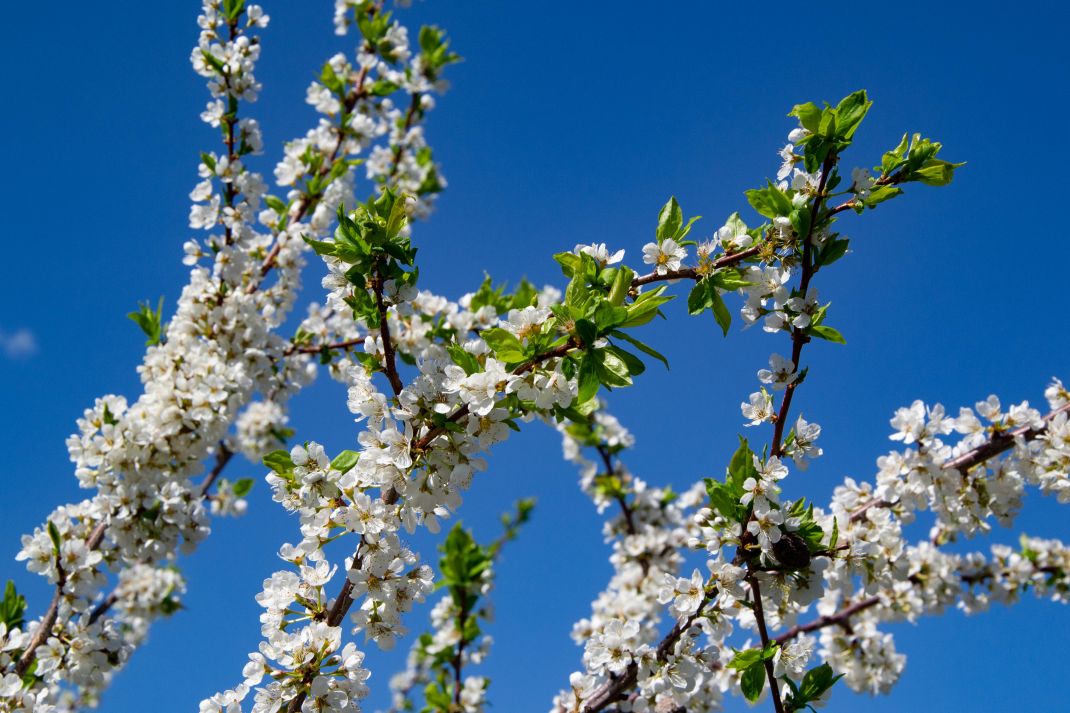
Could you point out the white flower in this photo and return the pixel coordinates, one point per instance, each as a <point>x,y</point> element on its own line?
<point>788,158</point>
<point>780,373</point>
<point>666,256</point>
<point>759,408</point>
<point>600,253</point>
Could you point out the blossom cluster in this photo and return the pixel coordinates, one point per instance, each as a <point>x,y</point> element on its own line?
<point>220,347</point>
<point>712,589</point>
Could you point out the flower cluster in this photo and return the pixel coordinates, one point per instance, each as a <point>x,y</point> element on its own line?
<point>702,581</point>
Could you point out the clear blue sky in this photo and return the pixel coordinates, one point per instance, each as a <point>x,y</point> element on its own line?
<point>566,124</point>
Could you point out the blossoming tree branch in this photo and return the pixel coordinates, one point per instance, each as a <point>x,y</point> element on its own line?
<point>725,589</point>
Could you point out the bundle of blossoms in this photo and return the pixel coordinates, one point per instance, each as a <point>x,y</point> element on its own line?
<point>725,589</point>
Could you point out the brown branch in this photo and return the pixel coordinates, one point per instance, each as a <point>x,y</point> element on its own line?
<point>461,412</point>
<point>222,457</point>
<point>308,200</point>
<point>414,106</point>
<point>999,443</point>
<point>690,273</point>
<point>45,629</point>
<point>96,537</point>
<point>317,348</point>
<point>229,120</point>
<point>102,608</point>
<point>798,337</point>
<point>619,685</point>
<point>840,618</point>
<point>629,520</point>
<point>759,617</point>
<point>458,659</point>
<point>389,357</point>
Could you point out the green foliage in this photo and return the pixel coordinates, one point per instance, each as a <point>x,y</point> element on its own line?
<point>770,201</point>
<point>435,49</point>
<point>724,497</point>
<point>752,663</point>
<point>706,295</point>
<point>505,345</point>
<point>232,9</point>
<point>525,295</point>
<point>916,161</point>
<point>371,242</point>
<point>242,487</point>
<point>344,461</point>
<point>831,128</point>
<point>12,608</point>
<point>150,320</point>
<point>53,534</point>
<point>814,685</point>
<point>280,462</point>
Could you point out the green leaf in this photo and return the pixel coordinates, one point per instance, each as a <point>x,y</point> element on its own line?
<point>464,359</point>
<point>769,201</point>
<point>280,462</point>
<point>880,194</point>
<point>936,172</point>
<point>828,333</point>
<point>150,321</point>
<point>682,232</point>
<point>720,310</point>
<point>634,364</point>
<point>742,660</point>
<point>397,219</point>
<point>741,466</point>
<point>242,487</point>
<point>232,9</point>
<point>622,282</point>
<point>588,379</point>
<point>570,263</point>
<point>724,500</point>
<point>808,114</point>
<point>814,684</point>
<point>833,251</point>
<point>850,112</point>
<point>13,607</point>
<point>611,369</point>
<point>53,534</point>
<point>321,247</point>
<point>640,346</point>
<point>607,316</point>
<point>670,218</point>
<point>645,307</point>
<point>344,461</point>
<point>586,331</point>
<point>699,298</point>
<point>753,681</point>
<point>730,279</point>
<point>504,344</point>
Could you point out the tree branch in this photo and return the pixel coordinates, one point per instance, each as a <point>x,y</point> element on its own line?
<point>759,617</point>
<point>317,348</point>
<point>999,443</point>
<point>840,618</point>
<point>690,273</point>
<point>798,337</point>
<point>96,537</point>
<point>389,357</point>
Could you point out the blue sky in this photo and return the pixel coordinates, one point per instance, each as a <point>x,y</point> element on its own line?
<point>563,127</point>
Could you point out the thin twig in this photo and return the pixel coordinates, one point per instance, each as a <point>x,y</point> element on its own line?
<point>759,617</point>
<point>999,443</point>
<point>840,618</point>
<point>389,357</point>
<point>798,336</point>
